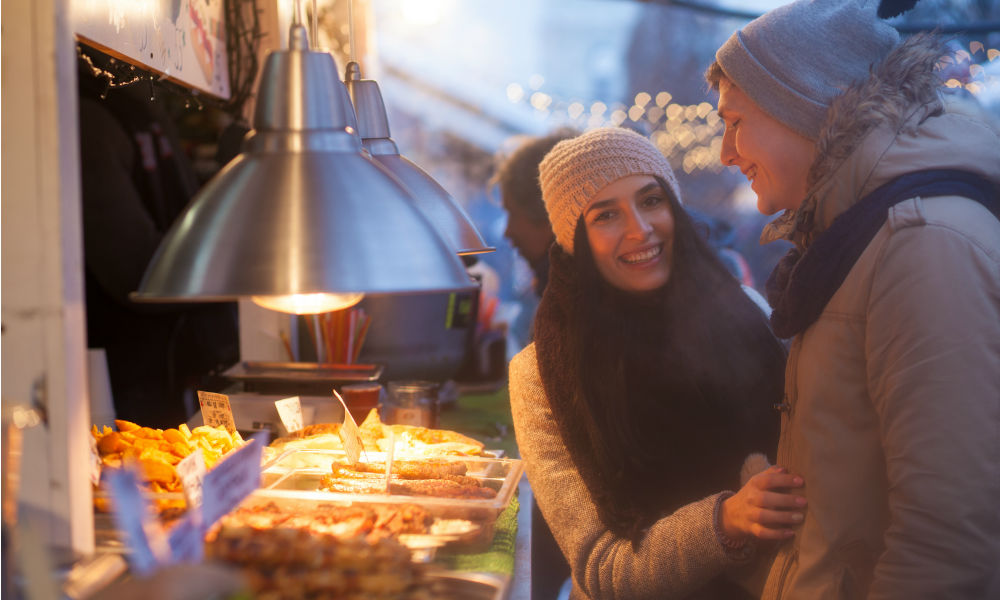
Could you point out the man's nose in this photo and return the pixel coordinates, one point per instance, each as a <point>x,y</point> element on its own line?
<point>728,154</point>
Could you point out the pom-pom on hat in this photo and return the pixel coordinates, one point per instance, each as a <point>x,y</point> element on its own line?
<point>794,60</point>
<point>576,169</point>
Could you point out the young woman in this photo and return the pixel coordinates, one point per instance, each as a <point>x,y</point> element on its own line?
<point>652,378</point>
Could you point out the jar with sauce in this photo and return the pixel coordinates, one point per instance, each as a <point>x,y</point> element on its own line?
<point>412,403</point>
<point>361,398</point>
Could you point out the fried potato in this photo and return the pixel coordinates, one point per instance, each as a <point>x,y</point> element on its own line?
<point>158,471</point>
<point>146,443</point>
<point>111,443</point>
<point>159,455</point>
<point>112,461</point>
<point>181,449</point>
<point>174,436</point>
<point>125,425</point>
<point>158,451</point>
<point>149,433</point>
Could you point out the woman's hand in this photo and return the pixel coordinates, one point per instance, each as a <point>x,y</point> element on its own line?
<point>765,507</point>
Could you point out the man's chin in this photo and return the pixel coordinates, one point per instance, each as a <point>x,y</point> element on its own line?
<point>764,207</point>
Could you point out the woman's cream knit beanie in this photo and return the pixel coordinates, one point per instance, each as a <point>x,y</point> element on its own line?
<point>576,169</point>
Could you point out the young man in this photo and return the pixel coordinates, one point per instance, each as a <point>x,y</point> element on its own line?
<point>528,226</point>
<point>892,296</point>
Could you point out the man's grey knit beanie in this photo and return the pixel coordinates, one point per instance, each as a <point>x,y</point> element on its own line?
<point>794,60</point>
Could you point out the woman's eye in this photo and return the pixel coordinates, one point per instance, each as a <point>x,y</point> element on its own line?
<point>603,216</point>
<point>734,124</point>
<point>652,201</point>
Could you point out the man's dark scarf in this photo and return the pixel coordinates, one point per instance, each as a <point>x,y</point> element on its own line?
<point>803,282</point>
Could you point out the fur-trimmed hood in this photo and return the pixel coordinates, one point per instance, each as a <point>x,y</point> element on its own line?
<point>893,123</point>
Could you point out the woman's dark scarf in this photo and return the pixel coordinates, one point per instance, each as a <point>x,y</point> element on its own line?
<point>658,398</point>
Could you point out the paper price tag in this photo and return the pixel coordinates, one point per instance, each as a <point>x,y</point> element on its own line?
<point>350,434</point>
<point>192,473</point>
<point>187,540</point>
<point>95,462</point>
<point>216,411</point>
<point>231,480</point>
<point>132,515</point>
<point>290,411</point>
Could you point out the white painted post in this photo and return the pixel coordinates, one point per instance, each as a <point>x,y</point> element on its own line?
<point>44,335</point>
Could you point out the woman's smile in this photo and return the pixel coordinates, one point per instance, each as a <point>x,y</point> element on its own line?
<point>643,257</point>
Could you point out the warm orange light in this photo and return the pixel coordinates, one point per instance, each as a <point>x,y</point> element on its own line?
<point>307,304</point>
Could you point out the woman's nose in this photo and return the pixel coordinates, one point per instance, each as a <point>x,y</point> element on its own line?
<point>638,226</point>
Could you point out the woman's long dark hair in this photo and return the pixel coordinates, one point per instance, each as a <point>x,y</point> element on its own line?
<point>673,388</point>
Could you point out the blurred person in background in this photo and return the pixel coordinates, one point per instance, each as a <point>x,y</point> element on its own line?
<point>528,226</point>
<point>136,181</point>
<point>891,293</point>
<point>529,231</point>
<point>651,381</point>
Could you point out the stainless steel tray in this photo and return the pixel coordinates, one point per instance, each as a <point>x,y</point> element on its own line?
<point>295,474</point>
<point>452,585</point>
<point>302,372</point>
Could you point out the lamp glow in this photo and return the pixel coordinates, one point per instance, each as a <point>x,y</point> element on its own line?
<point>307,304</point>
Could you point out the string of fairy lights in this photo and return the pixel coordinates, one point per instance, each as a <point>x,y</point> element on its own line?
<point>690,135</point>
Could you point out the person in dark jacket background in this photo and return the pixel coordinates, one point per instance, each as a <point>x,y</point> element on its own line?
<point>136,181</point>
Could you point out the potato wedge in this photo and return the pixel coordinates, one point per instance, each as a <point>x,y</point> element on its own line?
<point>125,425</point>
<point>111,443</point>
<point>173,436</point>
<point>157,470</point>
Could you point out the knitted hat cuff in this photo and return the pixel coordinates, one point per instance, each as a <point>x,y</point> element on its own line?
<point>575,170</point>
<point>773,96</point>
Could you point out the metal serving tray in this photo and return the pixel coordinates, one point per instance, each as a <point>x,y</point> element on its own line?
<point>295,474</point>
<point>452,585</point>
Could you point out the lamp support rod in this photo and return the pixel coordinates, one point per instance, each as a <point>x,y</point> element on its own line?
<point>350,30</point>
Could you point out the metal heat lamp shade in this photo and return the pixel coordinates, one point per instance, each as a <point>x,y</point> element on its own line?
<point>301,210</point>
<point>432,200</point>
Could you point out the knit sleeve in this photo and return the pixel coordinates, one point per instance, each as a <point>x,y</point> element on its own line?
<point>680,553</point>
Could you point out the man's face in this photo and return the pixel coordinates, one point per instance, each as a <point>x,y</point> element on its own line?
<point>529,235</point>
<point>772,156</point>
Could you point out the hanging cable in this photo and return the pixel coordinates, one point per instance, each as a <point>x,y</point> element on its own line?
<point>350,30</point>
<point>314,35</point>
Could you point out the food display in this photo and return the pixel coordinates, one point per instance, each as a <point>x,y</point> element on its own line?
<point>428,477</point>
<point>376,436</point>
<point>294,562</point>
<point>157,453</point>
<point>476,488</point>
<point>413,525</point>
<point>320,526</point>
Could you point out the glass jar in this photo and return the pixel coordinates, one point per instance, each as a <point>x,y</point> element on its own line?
<point>412,403</point>
<point>361,398</point>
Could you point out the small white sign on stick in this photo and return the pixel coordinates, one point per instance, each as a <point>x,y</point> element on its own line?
<point>290,412</point>
<point>350,434</point>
